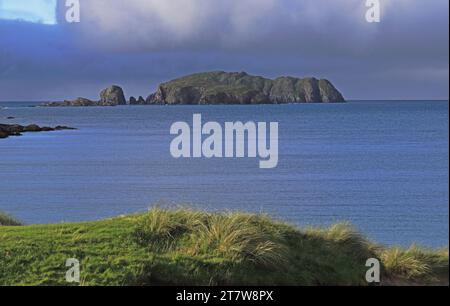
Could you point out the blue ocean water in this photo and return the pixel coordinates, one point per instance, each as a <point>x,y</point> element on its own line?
<point>382,165</point>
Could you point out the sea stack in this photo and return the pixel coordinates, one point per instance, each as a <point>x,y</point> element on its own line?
<point>112,96</point>
<point>139,101</point>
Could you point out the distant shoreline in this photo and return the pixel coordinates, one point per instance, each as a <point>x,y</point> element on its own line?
<point>348,101</point>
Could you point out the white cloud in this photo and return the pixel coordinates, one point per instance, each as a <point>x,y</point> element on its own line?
<point>152,23</point>
<point>162,24</point>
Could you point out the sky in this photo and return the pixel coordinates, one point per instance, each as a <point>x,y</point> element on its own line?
<point>37,11</point>
<point>138,44</point>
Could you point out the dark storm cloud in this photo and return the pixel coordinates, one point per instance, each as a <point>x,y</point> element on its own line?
<point>138,43</point>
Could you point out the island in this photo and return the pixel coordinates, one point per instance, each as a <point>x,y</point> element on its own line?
<point>220,87</point>
<point>7,130</point>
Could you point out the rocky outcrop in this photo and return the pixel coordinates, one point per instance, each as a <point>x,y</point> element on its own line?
<point>7,130</point>
<point>133,101</point>
<point>139,101</point>
<point>112,96</point>
<point>241,88</point>
<point>77,102</point>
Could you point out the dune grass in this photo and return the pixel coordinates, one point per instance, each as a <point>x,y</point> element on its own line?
<point>236,237</point>
<point>415,265</point>
<point>186,247</point>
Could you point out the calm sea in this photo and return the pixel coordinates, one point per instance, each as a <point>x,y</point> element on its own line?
<point>382,165</point>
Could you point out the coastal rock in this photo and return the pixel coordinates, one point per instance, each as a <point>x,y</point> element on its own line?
<point>11,129</point>
<point>112,96</point>
<point>241,88</point>
<point>7,130</point>
<point>32,128</point>
<point>63,127</point>
<point>133,101</point>
<point>139,101</point>
<point>75,103</point>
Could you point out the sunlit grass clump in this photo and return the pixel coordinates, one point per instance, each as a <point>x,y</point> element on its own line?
<point>415,264</point>
<point>187,247</point>
<point>233,236</point>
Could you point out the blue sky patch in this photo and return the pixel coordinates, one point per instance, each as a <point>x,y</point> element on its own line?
<point>35,11</point>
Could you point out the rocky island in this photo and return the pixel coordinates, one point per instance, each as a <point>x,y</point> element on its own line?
<point>7,130</point>
<point>241,88</point>
<point>219,87</point>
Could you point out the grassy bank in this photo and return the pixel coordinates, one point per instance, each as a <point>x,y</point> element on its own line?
<point>183,247</point>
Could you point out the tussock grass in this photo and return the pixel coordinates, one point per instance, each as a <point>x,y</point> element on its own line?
<point>239,238</point>
<point>347,238</point>
<point>415,265</point>
<point>158,226</point>
<point>236,237</point>
<point>7,220</point>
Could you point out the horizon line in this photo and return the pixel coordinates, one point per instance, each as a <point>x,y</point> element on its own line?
<point>347,100</point>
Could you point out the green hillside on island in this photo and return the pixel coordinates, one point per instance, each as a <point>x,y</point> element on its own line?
<point>185,247</point>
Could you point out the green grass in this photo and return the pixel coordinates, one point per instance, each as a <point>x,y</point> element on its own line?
<point>185,247</point>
